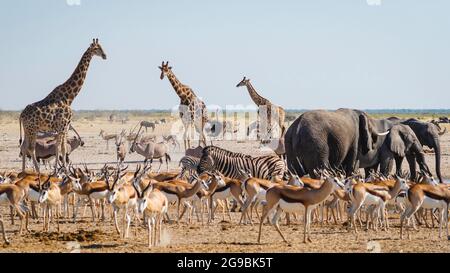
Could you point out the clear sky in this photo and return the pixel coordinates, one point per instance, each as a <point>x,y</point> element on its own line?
<point>299,54</point>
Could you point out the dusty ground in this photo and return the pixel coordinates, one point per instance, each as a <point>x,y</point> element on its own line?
<point>221,236</point>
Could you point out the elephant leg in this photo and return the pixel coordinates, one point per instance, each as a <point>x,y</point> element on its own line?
<point>349,162</point>
<point>386,161</point>
<point>412,166</point>
<point>398,164</point>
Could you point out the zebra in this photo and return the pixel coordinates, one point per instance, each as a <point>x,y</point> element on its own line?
<point>232,164</point>
<point>188,163</point>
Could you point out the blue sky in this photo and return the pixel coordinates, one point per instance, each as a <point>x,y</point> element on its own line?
<point>299,54</point>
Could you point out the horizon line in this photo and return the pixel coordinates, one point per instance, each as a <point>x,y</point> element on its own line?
<point>436,110</point>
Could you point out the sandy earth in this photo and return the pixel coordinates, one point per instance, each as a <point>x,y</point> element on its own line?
<point>221,236</point>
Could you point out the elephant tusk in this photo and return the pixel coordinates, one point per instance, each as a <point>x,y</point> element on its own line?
<point>443,132</point>
<point>383,134</point>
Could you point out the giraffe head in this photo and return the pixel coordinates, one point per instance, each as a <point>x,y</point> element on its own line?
<point>97,49</point>
<point>165,68</point>
<point>244,82</point>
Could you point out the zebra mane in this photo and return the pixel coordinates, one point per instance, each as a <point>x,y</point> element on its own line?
<point>208,149</point>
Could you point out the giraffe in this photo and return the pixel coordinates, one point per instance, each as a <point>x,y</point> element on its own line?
<point>192,110</point>
<point>265,104</point>
<point>54,113</point>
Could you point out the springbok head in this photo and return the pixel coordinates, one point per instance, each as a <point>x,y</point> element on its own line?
<point>142,195</point>
<point>113,190</point>
<point>43,189</point>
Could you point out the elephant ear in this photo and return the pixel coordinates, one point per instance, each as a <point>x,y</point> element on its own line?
<point>396,143</point>
<point>364,134</point>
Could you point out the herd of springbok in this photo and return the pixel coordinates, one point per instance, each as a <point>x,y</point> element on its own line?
<point>143,197</point>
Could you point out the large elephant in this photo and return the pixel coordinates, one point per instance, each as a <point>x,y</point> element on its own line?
<point>402,142</point>
<point>319,139</point>
<point>428,134</point>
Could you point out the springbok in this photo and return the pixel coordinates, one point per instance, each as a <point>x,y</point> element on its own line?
<point>154,204</point>
<point>293,198</point>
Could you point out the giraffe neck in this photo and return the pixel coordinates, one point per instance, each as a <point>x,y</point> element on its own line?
<point>70,89</point>
<point>184,94</point>
<point>257,99</point>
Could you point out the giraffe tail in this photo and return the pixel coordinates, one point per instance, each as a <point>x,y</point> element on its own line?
<point>20,129</point>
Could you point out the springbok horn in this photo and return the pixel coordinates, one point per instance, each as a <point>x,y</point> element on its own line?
<point>136,189</point>
<point>138,168</point>
<point>300,164</point>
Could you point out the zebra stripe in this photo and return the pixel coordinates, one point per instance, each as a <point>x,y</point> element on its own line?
<point>229,163</point>
<point>189,163</point>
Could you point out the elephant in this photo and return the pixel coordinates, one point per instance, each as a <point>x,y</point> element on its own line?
<point>402,142</point>
<point>370,161</point>
<point>428,135</point>
<point>319,139</point>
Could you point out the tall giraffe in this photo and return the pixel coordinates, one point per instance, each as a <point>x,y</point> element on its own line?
<point>192,110</point>
<point>54,113</point>
<point>265,105</point>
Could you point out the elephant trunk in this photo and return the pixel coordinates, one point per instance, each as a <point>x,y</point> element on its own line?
<point>437,152</point>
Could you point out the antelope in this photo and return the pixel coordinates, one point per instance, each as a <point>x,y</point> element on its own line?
<point>121,195</point>
<point>146,139</point>
<point>13,196</point>
<point>66,189</point>
<point>232,188</point>
<point>256,192</point>
<point>45,151</point>
<point>154,204</point>
<point>28,184</point>
<point>8,177</point>
<point>180,191</point>
<point>163,176</point>
<point>130,137</point>
<point>373,195</point>
<point>50,193</point>
<point>427,197</point>
<point>151,151</point>
<point>173,139</point>
<point>107,137</point>
<point>291,199</point>
<point>2,226</point>
<point>121,151</point>
<point>93,190</point>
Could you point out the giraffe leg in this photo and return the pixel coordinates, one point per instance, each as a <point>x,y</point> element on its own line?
<point>188,140</point>
<point>57,152</point>
<point>185,138</point>
<point>23,150</point>
<point>64,148</point>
